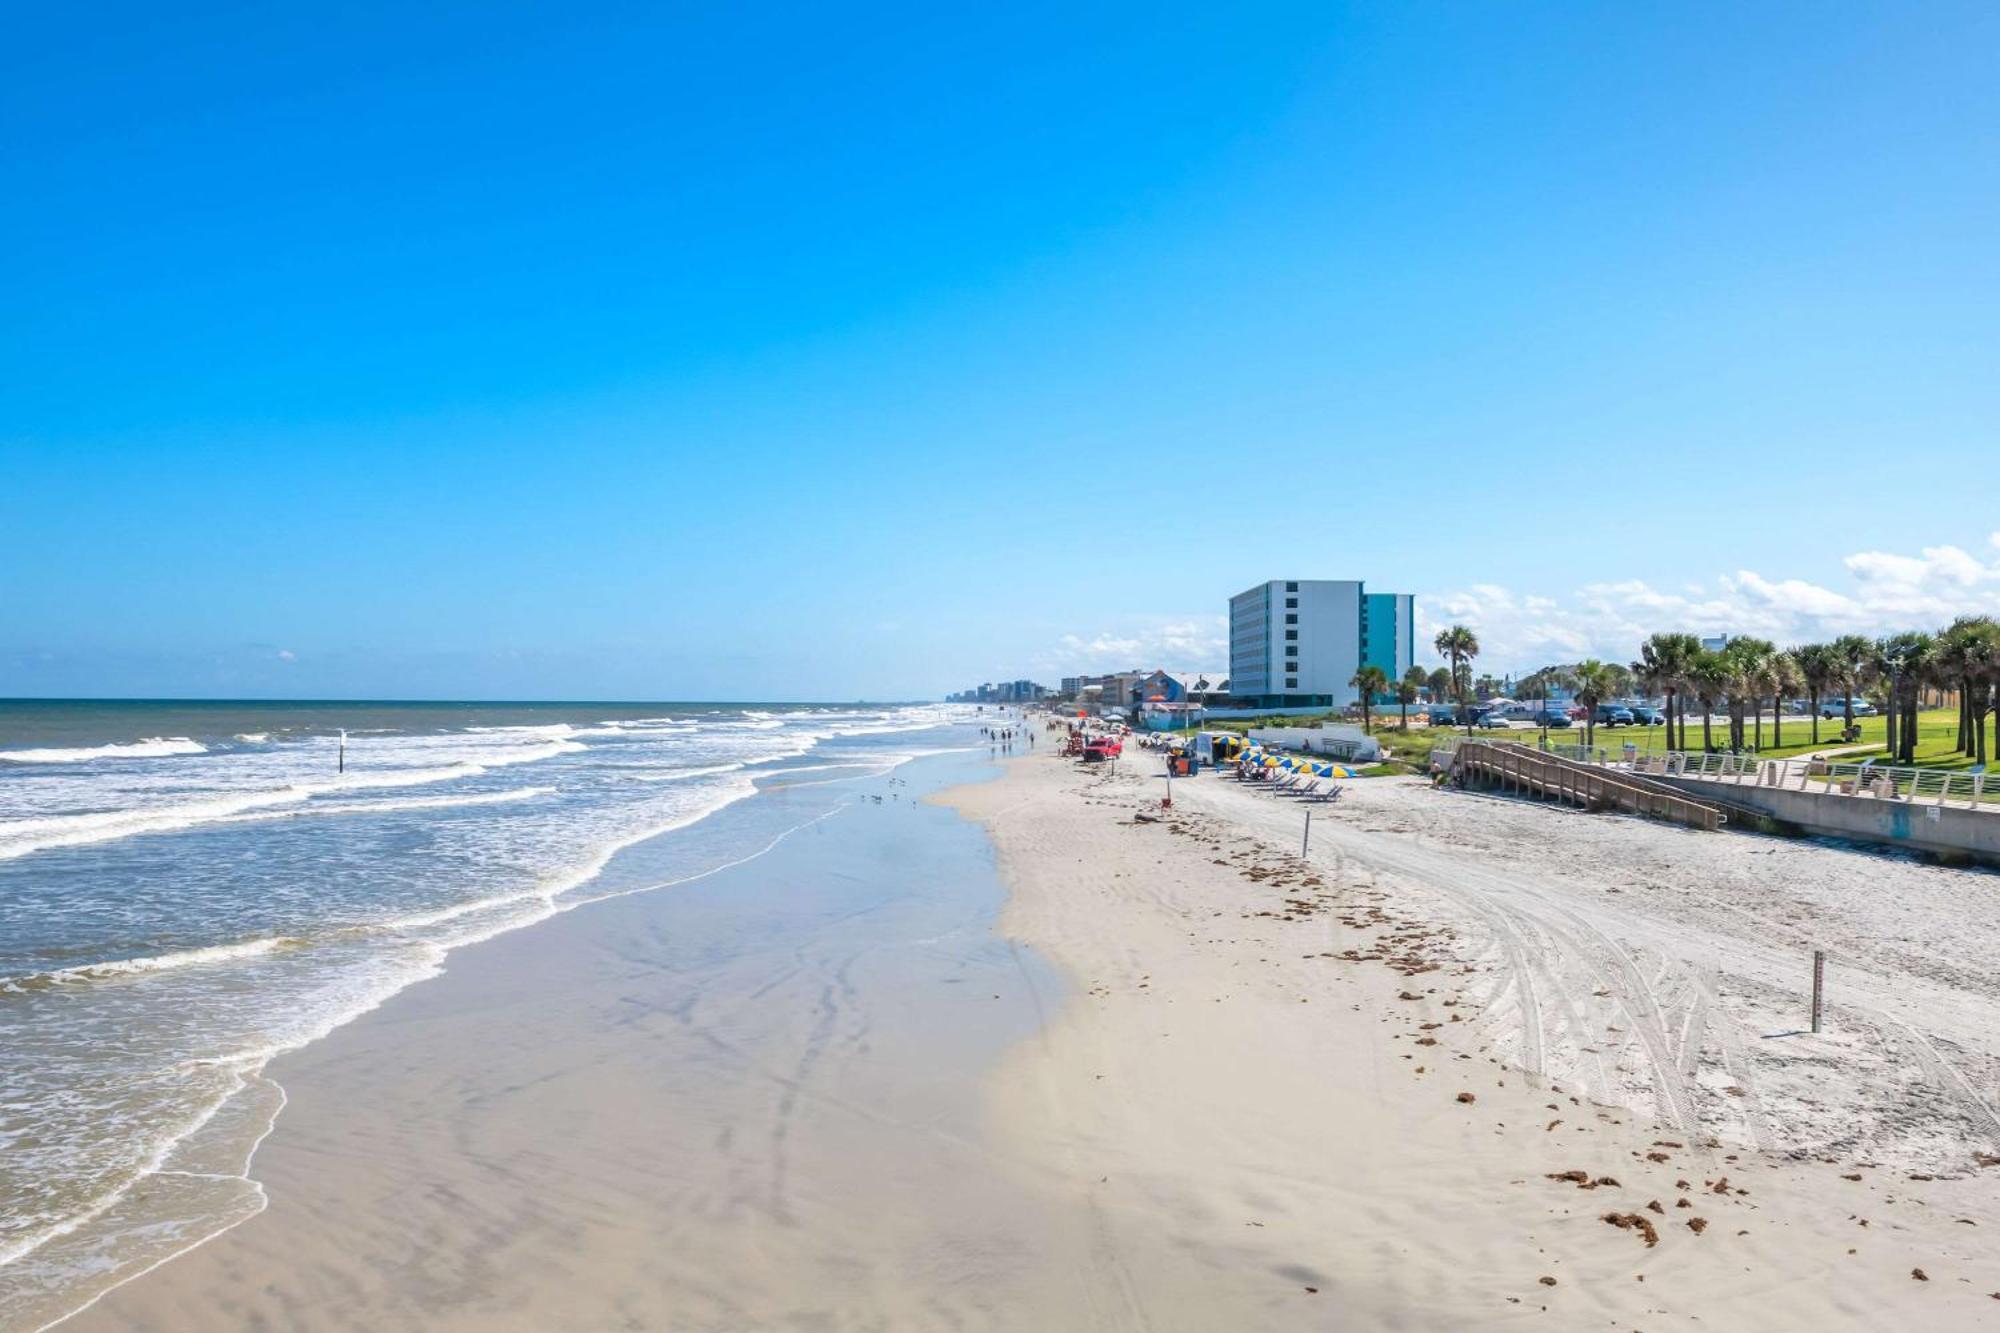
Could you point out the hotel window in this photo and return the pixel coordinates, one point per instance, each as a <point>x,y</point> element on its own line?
<point>1291,587</point>
<point>1291,603</point>
<point>1291,682</point>
<point>1291,620</point>
<point>1292,634</point>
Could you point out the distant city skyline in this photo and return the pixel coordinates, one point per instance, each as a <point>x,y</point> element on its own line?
<point>522,353</point>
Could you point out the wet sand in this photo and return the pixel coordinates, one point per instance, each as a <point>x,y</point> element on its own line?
<point>1188,1082</point>
<point>748,1102</point>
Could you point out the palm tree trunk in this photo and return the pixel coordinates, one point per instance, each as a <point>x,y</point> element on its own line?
<point>1707,741</point>
<point>1815,716</point>
<point>1777,722</point>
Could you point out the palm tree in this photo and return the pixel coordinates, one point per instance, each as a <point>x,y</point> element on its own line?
<point>1594,682</point>
<point>1985,677</point>
<point>1664,660</point>
<point>1905,665</point>
<point>1979,661</point>
<point>1458,646</point>
<point>1407,690</point>
<point>1748,660</point>
<point>1818,668</point>
<point>1853,655</point>
<point>1965,657</point>
<point>1439,685</point>
<point>1371,681</point>
<point>1781,675</point>
<point>1708,678</point>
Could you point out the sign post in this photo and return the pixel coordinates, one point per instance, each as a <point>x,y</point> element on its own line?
<point>1819,985</point>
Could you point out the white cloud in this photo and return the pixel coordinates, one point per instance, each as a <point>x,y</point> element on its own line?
<point>287,655</point>
<point>1886,592</point>
<point>1188,643</point>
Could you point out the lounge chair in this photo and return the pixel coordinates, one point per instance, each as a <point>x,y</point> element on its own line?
<point>1330,795</point>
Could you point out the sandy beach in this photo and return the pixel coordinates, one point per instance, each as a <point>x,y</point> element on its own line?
<point>1172,1077</point>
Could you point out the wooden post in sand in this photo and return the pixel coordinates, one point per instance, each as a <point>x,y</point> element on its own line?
<point>1819,985</point>
<point>1306,841</point>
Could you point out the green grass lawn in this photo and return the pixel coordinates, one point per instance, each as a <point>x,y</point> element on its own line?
<point>1937,730</point>
<point>1937,735</point>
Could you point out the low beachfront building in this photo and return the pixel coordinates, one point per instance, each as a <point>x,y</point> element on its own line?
<point>1184,687</point>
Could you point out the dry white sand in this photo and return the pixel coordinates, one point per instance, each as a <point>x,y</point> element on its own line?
<point>1248,1098</point>
<point>1669,970</point>
<point>1274,1095</point>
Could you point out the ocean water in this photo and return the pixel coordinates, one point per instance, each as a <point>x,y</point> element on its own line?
<point>187,890</point>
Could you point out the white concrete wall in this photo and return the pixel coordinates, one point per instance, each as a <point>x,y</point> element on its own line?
<point>1329,739</point>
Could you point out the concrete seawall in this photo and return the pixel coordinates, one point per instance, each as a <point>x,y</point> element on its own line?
<point>1957,834</point>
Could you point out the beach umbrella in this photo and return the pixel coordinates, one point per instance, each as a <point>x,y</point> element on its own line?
<point>1333,771</point>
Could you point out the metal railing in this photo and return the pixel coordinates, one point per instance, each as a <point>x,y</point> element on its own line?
<point>1933,786</point>
<point>1510,765</point>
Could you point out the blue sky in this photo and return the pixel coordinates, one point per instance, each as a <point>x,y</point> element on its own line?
<point>633,351</point>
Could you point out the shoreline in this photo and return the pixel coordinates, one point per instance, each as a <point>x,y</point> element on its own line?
<point>1011,1055</point>
<point>226,1146</point>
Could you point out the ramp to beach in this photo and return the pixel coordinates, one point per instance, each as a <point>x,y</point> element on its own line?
<point>1508,766</point>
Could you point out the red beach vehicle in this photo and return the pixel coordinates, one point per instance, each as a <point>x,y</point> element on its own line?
<point>1103,748</point>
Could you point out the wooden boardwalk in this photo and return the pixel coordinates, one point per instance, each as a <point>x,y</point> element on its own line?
<point>1511,767</point>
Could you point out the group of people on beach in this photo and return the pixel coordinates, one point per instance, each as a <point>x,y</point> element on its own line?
<point>1001,740</point>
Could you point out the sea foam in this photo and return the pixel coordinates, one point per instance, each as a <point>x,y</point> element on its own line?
<point>154,747</point>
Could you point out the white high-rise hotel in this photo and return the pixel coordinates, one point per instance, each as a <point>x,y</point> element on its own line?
<point>1296,643</point>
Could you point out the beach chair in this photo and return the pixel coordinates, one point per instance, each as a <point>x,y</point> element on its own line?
<point>1306,788</point>
<point>1329,796</point>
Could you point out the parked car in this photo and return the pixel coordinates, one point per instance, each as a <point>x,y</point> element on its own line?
<point>1645,715</point>
<point>1615,715</point>
<point>1558,713</point>
<point>1835,708</point>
